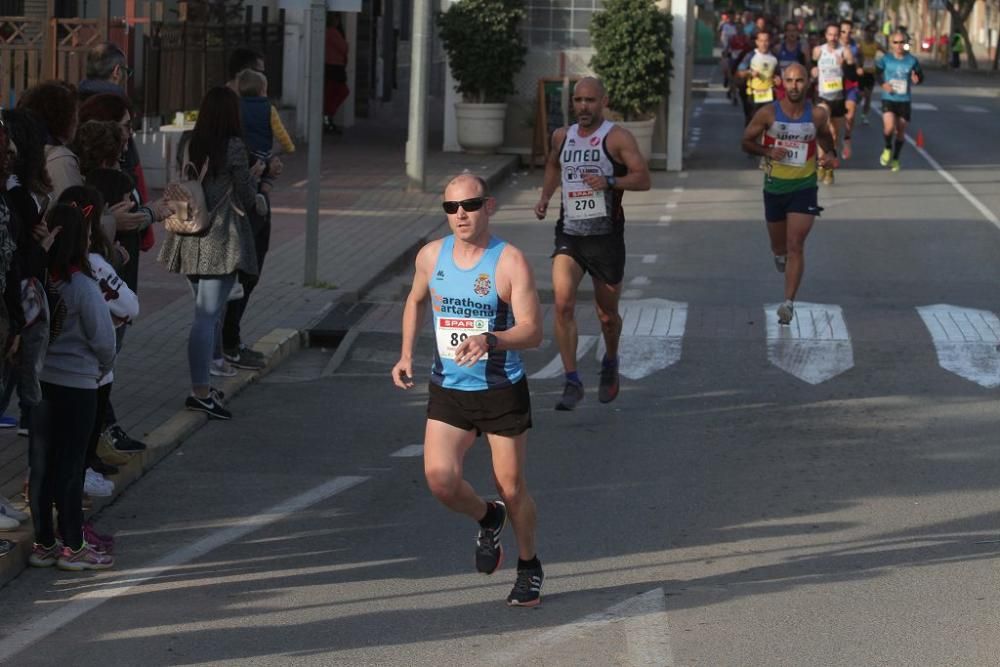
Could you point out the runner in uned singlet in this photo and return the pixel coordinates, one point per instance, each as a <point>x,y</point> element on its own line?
<point>595,163</point>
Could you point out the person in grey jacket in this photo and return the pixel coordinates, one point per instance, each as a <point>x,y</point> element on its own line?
<point>212,259</point>
<point>81,351</point>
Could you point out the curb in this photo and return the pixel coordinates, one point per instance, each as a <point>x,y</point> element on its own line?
<point>277,345</point>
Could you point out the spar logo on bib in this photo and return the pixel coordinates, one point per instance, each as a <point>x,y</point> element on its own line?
<point>483,285</point>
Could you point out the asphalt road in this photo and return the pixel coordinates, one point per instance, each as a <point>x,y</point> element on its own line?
<point>823,495</point>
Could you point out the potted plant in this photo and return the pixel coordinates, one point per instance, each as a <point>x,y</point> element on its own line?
<point>485,52</point>
<point>631,40</point>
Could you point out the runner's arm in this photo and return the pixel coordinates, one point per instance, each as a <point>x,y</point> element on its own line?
<point>755,129</point>
<point>514,278</point>
<point>551,180</point>
<point>824,138</point>
<point>414,312</point>
<point>917,74</point>
<point>622,145</point>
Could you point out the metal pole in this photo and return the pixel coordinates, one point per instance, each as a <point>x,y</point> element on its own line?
<point>416,143</point>
<point>317,44</point>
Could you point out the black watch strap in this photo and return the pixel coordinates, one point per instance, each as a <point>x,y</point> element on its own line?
<point>491,341</point>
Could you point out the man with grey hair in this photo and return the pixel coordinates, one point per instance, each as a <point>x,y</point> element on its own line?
<point>107,71</point>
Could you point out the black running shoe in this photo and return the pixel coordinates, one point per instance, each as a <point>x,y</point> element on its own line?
<point>527,591</point>
<point>123,442</point>
<point>608,389</point>
<point>489,550</point>
<point>572,394</point>
<point>210,406</point>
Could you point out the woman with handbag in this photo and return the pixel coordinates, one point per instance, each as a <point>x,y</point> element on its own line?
<point>211,257</point>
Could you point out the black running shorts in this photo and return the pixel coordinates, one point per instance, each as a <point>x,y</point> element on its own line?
<point>601,256</point>
<point>505,411</point>
<point>778,206</point>
<point>838,108</point>
<point>867,82</point>
<point>901,109</point>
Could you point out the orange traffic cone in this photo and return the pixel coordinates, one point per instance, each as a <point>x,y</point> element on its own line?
<point>920,138</point>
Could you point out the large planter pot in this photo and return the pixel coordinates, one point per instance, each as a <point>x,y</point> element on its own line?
<point>480,126</point>
<point>642,130</point>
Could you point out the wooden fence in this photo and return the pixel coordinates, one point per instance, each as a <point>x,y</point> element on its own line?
<point>181,59</point>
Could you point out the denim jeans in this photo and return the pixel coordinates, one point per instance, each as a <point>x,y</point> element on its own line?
<point>205,340</point>
<point>61,425</point>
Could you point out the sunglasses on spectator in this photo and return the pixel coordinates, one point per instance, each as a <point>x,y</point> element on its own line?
<point>899,41</point>
<point>470,205</point>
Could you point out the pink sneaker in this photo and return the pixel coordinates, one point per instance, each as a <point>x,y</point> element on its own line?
<point>43,556</point>
<point>101,542</point>
<point>86,558</point>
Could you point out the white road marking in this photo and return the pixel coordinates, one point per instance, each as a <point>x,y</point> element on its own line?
<point>966,341</point>
<point>643,619</point>
<point>715,100</point>
<point>554,368</point>
<point>923,106</point>
<point>652,336</point>
<point>665,220</point>
<point>972,108</point>
<point>671,204</point>
<point>971,198</point>
<point>683,174</point>
<point>679,188</point>
<point>815,347</point>
<point>649,259</point>
<point>27,635</point>
<point>409,450</point>
<point>640,281</point>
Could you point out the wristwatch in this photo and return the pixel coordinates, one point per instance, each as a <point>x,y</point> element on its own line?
<point>611,181</point>
<point>491,341</point>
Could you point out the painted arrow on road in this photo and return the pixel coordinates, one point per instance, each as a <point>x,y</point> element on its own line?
<point>815,347</point>
<point>642,619</point>
<point>966,341</point>
<point>652,336</point>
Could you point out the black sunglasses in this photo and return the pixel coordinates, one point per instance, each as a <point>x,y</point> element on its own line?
<point>898,41</point>
<point>470,205</point>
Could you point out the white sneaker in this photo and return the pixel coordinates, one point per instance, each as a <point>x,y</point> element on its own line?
<point>7,523</point>
<point>221,368</point>
<point>95,484</point>
<point>7,509</point>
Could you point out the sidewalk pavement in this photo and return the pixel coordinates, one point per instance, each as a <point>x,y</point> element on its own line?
<point>368,224</point>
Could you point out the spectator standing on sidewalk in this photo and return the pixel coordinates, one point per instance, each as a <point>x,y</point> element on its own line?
<point>211,260</point>
<point>235,350</point>
<point>55,104</point>
<point>957,48</point>
<point>335,89</point>
<point>81,351</point>
<point>27,193</point>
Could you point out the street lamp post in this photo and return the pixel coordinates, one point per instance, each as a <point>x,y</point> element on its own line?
<point>416,143</point>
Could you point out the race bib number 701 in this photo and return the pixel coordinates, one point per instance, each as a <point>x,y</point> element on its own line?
<point>452,332</point>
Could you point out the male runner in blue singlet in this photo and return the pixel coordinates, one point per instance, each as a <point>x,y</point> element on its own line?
<point>485,308</point>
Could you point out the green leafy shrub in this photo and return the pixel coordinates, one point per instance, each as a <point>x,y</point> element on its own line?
<point>484,47</point>
<point>632,43</point>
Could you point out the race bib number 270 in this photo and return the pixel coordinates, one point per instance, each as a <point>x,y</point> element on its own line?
<point>584,203</point>
<point>452,332</point>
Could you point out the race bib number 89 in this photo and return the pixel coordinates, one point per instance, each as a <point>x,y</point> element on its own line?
<point>452,332</point>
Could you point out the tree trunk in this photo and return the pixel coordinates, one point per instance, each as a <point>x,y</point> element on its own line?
<point>958,19</point>
<point>996,53</point>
